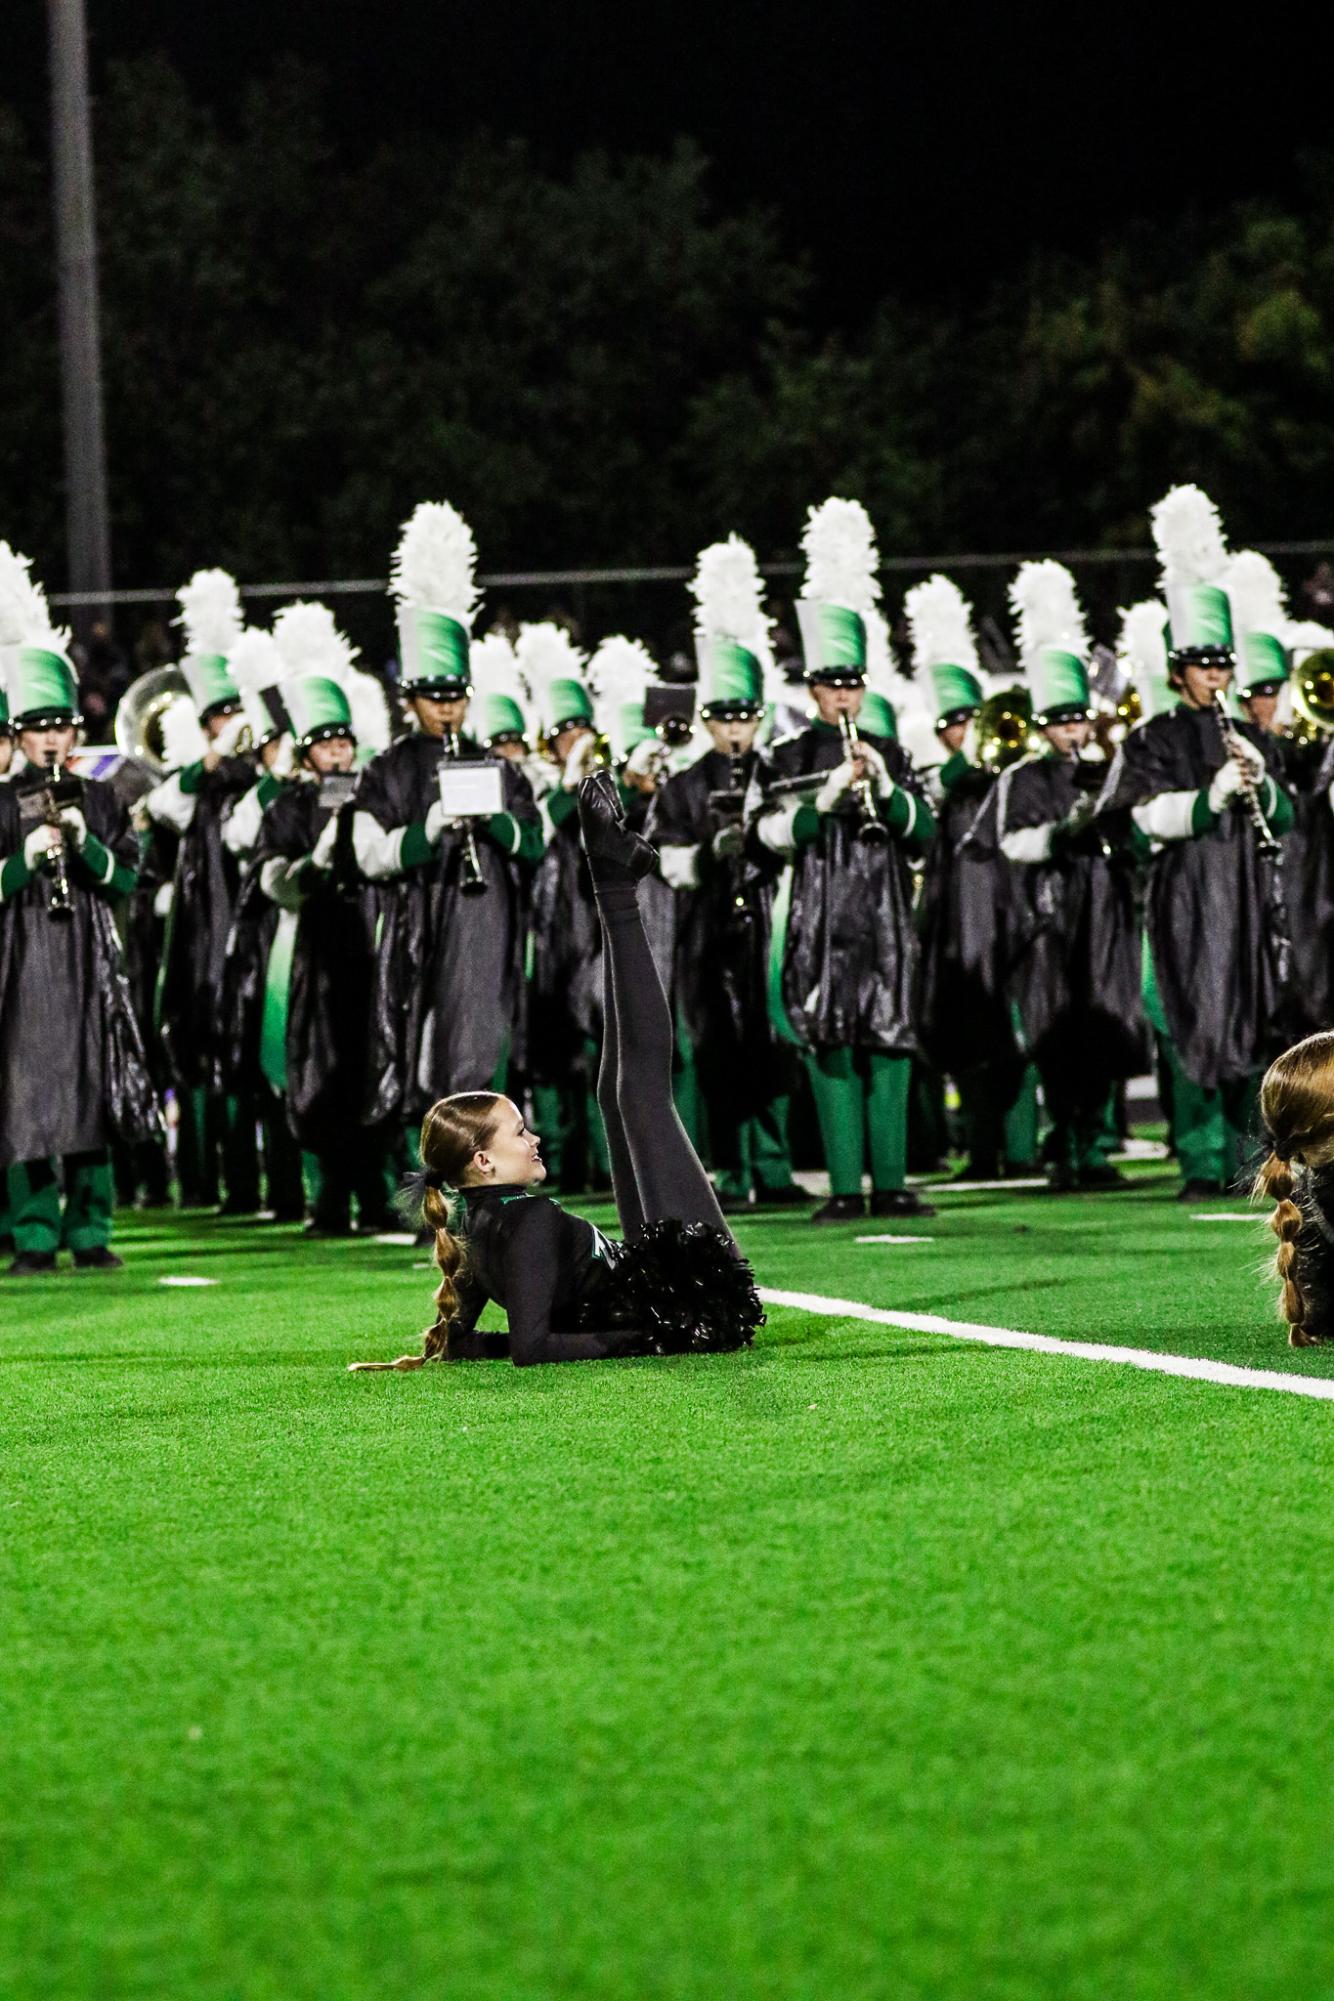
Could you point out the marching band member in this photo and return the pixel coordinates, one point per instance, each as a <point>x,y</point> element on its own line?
<point>449,972</point>
<point>1073,945</point>
<point>1208,794</point>
<point>72,1068</point>
<point>843,813</point>
<point>726,893</point>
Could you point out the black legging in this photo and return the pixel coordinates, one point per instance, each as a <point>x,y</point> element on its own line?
<point>655,1171</point>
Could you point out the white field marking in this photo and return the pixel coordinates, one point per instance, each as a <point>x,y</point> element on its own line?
<point>184,1280</point>
<point>1192,1366</point>
<point>893,1240</point>
<point>403,1237</point>
<point>1226,1216</point>
<point>986,1187</point>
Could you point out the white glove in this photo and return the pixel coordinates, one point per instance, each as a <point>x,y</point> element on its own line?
<point>39,845</point>
<point>1225,785</point>
<point>728,843</point>
<point>225,742</point>
<point>837,783</point>
<point>643,759</point>
<point>322,855</point>
<point>435,823</point>
<point>875,764</point>
<point>76,827</point>
<point>579,762</point>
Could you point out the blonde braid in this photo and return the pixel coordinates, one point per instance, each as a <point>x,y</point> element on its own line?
<point>1274,1180</point>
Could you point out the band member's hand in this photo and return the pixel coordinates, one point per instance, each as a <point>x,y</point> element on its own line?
<point>1226,784</point>
<point>229,736</point>
<point>1249,759</point>
<point>728,843</point>
<point>435,823</point>
<point>579,762</point>
<point>76,827</point>
<point>835,788</point>
<point>877,771</point>
<point>322,855</point>
<point>39,845</point>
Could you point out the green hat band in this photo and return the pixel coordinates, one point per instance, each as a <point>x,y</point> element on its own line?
<point>209,681</point>
<point>876,715</point>
<point>1263,658</point>
<point>955,688</point>
<point>433,646</point>
<point>315,703</point>
<point>832,636</point>
<point>566,701</point>
<point>1198,615</point>
<point>501,716</point>
<point>728,672</point>
<point>42,683</point>
<point>1059,680</point>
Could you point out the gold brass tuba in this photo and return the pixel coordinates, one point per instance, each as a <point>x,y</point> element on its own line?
<point>139,718</point>
<point>1313,695</point>
<point>1003,729</point>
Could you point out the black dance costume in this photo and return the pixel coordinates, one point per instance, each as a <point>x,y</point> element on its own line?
<point>678,1284</point>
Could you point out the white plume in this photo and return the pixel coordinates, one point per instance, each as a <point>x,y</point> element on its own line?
<point>1259,601</point>
<point>370,710</point>
<point>183,741</point>
<point>841,555</point>
<point>435,563</point>
<point>310,642</point>
<point>729,591</point>
<point>1189,536</point>
<point>1142,641</point>
<point>210,612</point>
<point>544,653</point>
<point>618,672</point>
<point>256,660</point>
<point>494,668</point>
<point>23,606</point>
<point>941,624</point>
<point>1046,609</point>
<point>1305,635</point>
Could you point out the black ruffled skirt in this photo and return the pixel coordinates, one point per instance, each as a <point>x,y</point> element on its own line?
<point>678,1289</point>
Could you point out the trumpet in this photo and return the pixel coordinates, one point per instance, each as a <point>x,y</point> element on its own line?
<point>870,828</point>
<point>471,880</point>
<point>1232,740</point>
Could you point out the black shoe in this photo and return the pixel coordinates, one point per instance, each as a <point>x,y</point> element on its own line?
<point>98,1259</point>
<point>1103,1176</point>
<point>1200,1191</point>
<point>32,1264</point>
<point>899,1202</point>
<point>1061,1178</point>
<point>732,1205</point>
<point>328,1226</point>
<point>238,1208</point>
<point>794,1196</point>
<point>615,854</point>
<point>840,1209</point>
<point>381,1225</point>
<point>979,1170</point>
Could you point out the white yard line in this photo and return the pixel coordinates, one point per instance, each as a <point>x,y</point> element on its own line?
<point>892,1240</point>
<point>1193,1366</point>
<point>186,1280</point>
<point>1226,1216</point>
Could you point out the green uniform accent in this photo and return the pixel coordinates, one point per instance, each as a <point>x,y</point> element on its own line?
<point>433,648</point>
<point>833,637</point>
<point>314,702</point>
<point>42,683</point>
<point>954,688</point>
<point>861,1096</point>
<point>1199,615</point>
<point>273,1020</point>
<point>560,805</point>
<point>1209,1128</point>
<point>41,1222</point>
<point>729,673</point>
<point>1058,680</point>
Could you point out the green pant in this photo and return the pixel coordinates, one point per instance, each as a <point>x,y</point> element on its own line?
<point>1083,1128</point>
<point>1211,1127</point>
<point>861,1096</point>
<point>1000,1108</point>
<point>758,1154</point>
<point>83,1223</point>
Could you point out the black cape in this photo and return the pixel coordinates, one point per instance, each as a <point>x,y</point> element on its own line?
<point>565,995</point>
<point>1308,888</point>
<point>191,1004</point>
<point>73,1074</point>
<point>449,989</point>
<point>1213,910</point>
<point>1073,954</point>
<point>848,952</point>
<point>332,988</point>
<point>963,1001</point>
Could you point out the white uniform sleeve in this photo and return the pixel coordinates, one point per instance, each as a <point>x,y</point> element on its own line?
<point>378,850</point>
<point>1029,844</point>
<point>240,828</point>
<point>1169,817</point>
<point>680,866</point>
<point>170,806</point>
<point>279,880</point>
<point>776,830</point>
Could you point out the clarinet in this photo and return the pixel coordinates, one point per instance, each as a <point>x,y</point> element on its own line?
<point>1264,833</point>
<point>739,913</point>
<point>60,904</point>
<point>471,880</point>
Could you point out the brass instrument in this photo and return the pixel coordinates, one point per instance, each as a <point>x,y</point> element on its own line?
<point>1313,695</point>
<point>140,719</point>
<point>1232,738</point>
<point>56,794</point>
<point>1003,729</point>
<point>871,828</point>
<point>471,880</point>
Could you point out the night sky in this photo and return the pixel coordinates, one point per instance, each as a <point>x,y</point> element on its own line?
<point>911,150</point>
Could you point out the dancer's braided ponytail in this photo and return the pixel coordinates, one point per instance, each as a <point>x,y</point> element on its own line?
<point>1297,1103</point>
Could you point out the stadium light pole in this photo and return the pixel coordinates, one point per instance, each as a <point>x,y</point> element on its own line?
<point>80,338</point>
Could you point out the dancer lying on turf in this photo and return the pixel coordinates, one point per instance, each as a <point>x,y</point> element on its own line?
<point>1297,1104</point>
<point>678,1283</point>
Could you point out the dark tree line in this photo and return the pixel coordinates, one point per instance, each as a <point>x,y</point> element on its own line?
<point>604,368</point>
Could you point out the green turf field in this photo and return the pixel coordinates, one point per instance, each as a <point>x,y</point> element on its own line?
<point>866,1663</point>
